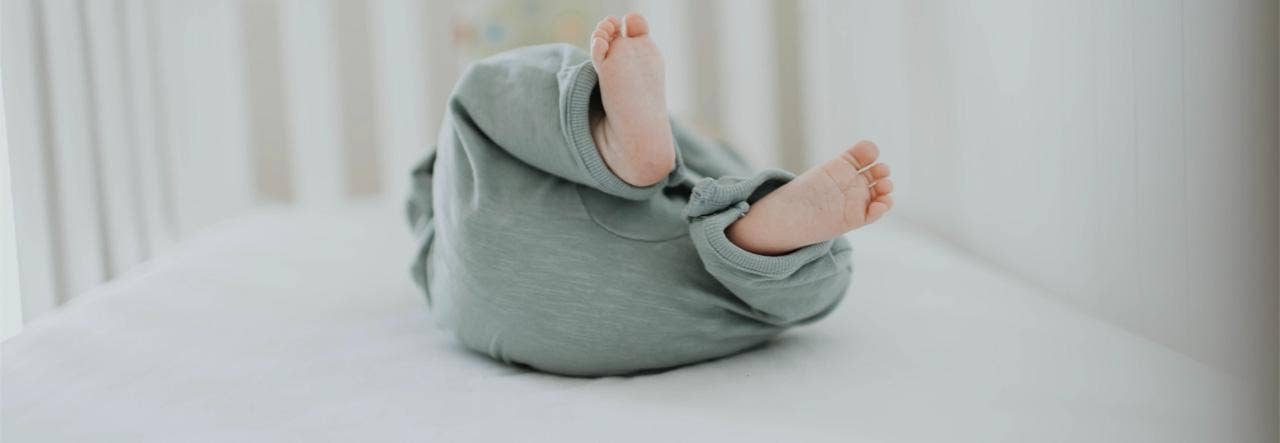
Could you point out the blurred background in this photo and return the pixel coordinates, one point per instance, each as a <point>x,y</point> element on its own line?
<point>1120,153</point>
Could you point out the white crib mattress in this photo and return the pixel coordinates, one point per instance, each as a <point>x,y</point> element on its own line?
<point>304,326</point>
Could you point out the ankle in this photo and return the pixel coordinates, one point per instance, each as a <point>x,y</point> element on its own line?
<point>765,231</point>
<point>636,167</point>
<point>744,234</point>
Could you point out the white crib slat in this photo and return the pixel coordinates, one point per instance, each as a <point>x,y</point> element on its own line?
<point>818,44</point>
<point>748,110</point>
<point>672,29</point>
<point>1158,95</point>
<point>267,110</point>
<point>143,98</point>
<point>113,127</point>
<point>83,246</point>
<point>311,77</point>
<point>399,55</point>
<point>791,141</point>
<point>1224,142</point>
<point>35,218</point>
<point>442,68</point>
<point>1078,127</point>
<point>357,97</point>
<point>204,117</point>
<point>1117,286</point>
<point>10,289</point>
<point>705,48</point>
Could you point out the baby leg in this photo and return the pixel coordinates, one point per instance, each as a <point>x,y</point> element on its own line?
<point>782,290</point>
<point>634,138</point>
<point>826,201</point>
<point>536,104</point>
<point>633,133</point>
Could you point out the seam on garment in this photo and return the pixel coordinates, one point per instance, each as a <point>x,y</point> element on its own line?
<point>583,204</point>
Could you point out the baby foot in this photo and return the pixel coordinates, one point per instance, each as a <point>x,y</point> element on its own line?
<point>821,204</point>
<point>634,136</point>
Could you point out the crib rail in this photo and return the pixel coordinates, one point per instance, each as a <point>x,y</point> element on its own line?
<point>133,123</point>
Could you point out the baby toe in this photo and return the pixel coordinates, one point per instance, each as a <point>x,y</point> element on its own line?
<point>636,24</point>
<point>599,47</point>
<point>883,186</point>
<point>613,25</point>
<point>879,171</point>
<point>607,27</point>
<point>864,153</point>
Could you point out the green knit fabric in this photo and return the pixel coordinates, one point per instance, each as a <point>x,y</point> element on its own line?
<point>534,253</point>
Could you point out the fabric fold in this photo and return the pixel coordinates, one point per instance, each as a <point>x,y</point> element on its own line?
<point>788,289</point>
<point>420,212</point>
<point>717,203</point>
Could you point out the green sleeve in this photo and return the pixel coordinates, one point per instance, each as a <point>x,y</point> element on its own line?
<point>785,290</point>
<point>536,103</point>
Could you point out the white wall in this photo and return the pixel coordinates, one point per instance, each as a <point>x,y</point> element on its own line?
<point>10,298</point>
<point>1120,153</point>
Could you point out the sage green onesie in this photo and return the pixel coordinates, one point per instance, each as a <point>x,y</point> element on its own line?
<point>533,252</point>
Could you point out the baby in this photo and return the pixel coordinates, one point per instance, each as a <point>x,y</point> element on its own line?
<point>565,223</point>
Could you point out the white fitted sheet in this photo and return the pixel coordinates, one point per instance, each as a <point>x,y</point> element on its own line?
<point>305,326</point>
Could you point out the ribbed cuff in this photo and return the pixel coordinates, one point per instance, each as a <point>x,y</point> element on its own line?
<point>577,117</point>
<point>717,203</point>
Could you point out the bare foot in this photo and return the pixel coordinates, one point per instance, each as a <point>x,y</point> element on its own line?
<point>826,201</point>
<point>634,137</point>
